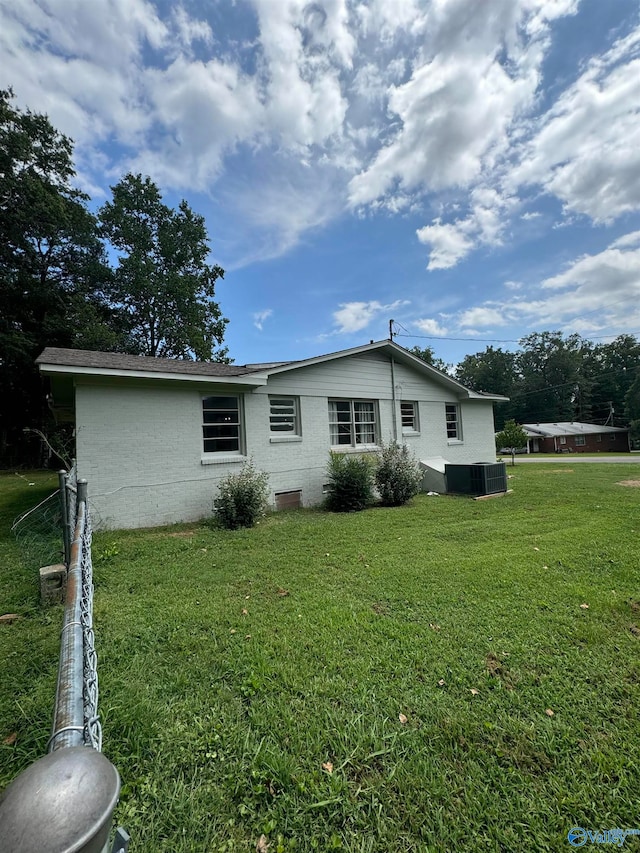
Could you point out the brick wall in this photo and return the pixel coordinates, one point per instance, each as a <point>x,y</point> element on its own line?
<point>613,441</point>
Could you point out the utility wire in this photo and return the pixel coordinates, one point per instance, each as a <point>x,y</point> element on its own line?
<point>575,382</point>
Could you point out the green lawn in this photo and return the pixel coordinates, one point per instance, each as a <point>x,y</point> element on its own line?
<point>253,682</point>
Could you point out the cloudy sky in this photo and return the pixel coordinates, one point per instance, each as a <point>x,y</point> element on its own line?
<point>469,168</point>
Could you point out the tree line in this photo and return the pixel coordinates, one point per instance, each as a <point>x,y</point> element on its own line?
<point>134,276</point>
<point>555,377</point>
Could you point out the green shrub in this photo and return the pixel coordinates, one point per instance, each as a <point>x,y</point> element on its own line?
<point>350,482</point>
<point>398,476</point>
<point>242,498</point>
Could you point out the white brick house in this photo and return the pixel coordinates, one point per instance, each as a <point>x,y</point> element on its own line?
<point>154,436</point>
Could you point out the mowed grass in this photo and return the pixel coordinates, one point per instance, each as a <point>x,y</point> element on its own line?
<point>252,682</point>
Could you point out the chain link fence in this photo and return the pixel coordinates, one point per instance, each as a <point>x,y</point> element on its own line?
<point>65,801</point>
<point>37,533</point>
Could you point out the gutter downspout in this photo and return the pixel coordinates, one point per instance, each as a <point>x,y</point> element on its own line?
<point>393,400</point>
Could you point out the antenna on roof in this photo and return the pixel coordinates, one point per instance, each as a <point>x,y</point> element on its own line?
<point>391,330</point>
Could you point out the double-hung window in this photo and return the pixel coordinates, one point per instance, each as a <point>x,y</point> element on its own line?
<point>454,427</point>
<point>409,415</point>
<point>352,423</point>
<point>221,424</point>
<point>284,417</point>
<point>580,441</point>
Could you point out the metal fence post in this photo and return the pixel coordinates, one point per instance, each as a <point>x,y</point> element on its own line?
<point>63,478</point>
<point>82,491</point>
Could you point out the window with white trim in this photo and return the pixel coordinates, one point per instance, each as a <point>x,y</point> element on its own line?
<point>454,427</point>
<point>563,439</point>
<point>284,416</point>
<point>352,423</point>
<point>221,424</point>
<point>580,441</point>
<point>409,415</point>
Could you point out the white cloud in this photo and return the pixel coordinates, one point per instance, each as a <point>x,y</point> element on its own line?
<point>452,241</point>
<point>376,105</point>
<point>587,149</point>
<point>481,318</point>
<point>304,47</point>
<point>603,277</point>
<point>354,316</point>
<point>272,203</point>
<point>449,243</point>
<point>191,30</point>
<point>632,239</point>
<point>205,110</point>
<point>455,113</point>
<point>594,292</point>
<point>260,316</point>
<point>431,327</point>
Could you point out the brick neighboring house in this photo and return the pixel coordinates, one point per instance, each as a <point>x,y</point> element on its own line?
<point>575,438</point>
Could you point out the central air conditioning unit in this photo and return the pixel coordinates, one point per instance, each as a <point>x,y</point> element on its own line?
<point>478,478</point>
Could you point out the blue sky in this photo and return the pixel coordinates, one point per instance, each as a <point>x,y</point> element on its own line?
<point>469,169</point>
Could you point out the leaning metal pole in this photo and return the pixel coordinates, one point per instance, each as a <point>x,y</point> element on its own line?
<point>63,479</point>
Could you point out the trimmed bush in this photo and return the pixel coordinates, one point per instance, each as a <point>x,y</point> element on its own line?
<point>398,476</point>
<point>350,482</point>
<point>243,498</point>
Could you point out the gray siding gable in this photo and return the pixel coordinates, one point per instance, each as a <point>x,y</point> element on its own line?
<point>363,375</point>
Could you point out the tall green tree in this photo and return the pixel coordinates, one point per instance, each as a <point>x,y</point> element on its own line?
<point>495,371</point>
<point>612,368</point>
<point>163,283</point>
<point>53,274</point>
<point>428,354</point>
<point>552,384</point>
<point>511,437</point>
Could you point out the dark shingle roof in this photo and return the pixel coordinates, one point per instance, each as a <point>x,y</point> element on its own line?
<point>119,361</point>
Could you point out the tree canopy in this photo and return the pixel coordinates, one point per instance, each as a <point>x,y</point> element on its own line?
<point>52,263</point>
<point>553,377</point>
<point>57,287</point>
<point>427,354</point>
<point>512,437</point>
<point>162,281</point>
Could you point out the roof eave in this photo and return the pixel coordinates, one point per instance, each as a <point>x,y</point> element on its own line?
<point>253,380</point>
<point>492,398</point>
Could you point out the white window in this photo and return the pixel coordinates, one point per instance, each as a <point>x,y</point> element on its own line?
<point>221,425</point>
<point>409,413</point>
<point>352,423</point>
<point>454,427</point>
<point>563,439</point>
<point>598,437</point>
<point>284,416</point>
<point>580,441</point>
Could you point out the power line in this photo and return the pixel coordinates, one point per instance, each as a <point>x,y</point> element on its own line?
<point>444,338</point>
